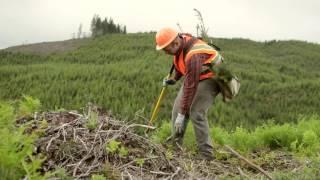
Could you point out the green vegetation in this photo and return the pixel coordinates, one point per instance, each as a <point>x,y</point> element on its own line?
<point>98,177</point>
<point>16,147</point>
<point>92,122</point>
<point>123,73</point>
<point>302,138</point>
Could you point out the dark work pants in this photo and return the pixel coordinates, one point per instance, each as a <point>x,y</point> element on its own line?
<point>206,92</point>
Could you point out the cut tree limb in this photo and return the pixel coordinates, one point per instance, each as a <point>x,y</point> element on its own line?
<point>248,162</point>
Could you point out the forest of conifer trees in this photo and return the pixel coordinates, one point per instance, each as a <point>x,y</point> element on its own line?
<point>104,26</point>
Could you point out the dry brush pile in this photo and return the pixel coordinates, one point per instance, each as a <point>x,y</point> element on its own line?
<point>96,143</point>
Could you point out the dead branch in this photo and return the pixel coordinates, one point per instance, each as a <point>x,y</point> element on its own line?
<point>68,143</point>
<point>175,173</point>
<point>248,162</point>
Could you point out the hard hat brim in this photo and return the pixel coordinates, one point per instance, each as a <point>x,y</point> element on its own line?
<point>158,48</point>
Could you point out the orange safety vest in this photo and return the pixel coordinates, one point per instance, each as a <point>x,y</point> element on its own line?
<point>198,47</point>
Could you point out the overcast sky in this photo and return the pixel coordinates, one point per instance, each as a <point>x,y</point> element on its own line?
<point>30,21</point>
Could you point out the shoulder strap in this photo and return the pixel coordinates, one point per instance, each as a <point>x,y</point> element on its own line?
<point>188,45</point>
<point>214,46</point>
<point>211,44</point>
<point>172,68</point>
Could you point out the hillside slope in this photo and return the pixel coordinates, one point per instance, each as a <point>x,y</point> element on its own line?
<point>47,48</point>
<point>280,79</point>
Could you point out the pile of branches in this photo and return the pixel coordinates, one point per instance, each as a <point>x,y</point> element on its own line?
<point>69,142</point>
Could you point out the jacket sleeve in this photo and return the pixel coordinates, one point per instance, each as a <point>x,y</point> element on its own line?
<point>190,84</point>
<point>177,75</point>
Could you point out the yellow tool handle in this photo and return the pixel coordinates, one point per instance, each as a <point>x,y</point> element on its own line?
<point>156,108</point>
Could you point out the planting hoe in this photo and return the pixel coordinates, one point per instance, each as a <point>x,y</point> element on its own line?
<point>157,106</point>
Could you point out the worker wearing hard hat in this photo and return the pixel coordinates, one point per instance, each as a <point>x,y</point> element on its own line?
<point>191,59</point>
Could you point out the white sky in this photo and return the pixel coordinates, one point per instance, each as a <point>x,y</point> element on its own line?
<point>30,21</point>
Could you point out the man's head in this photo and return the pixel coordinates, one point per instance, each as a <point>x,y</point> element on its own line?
<point>167,39</point>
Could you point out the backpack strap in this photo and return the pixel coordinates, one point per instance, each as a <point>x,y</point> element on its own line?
<point>214,46</point>
<point>211,44</point>
<point>188,45</point>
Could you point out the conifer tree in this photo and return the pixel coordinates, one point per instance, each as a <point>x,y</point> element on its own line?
<point>79,31</point>
<point>93,26</point>
<point>124,29</point>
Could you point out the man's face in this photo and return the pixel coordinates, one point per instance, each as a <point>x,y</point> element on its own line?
<point>173,47</point>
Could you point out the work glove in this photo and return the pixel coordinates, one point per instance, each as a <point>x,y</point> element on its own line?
<point>179,123</point>
<point>168,81</point>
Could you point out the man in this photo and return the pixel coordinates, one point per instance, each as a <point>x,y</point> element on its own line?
<point>192,59</point>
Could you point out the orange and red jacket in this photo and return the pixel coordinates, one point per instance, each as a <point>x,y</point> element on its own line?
<point>192,66</point>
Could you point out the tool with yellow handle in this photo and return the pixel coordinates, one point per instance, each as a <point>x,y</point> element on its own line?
<point>157,106</point>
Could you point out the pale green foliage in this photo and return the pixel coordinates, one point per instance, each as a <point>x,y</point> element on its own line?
<point>123,152</point>
<point>294,145</point>
<point>7,116</point>
<point>301,138</point>
<point>309,123</point>
<point>92,122</point>
<point>16,147</point>
<point>310,143</point>
<point>310,138</point>
<point>220,135</point>
<point>31,168</point>
<point>169,154</point>
<point>28,106</point>
<point>115,147</point>
<point>98,177</point>
<point>162,133</point>
<point>139,161</point>
<point>240,139</point>
<point>276,136</point>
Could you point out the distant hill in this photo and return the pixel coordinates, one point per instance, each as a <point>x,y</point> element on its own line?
<point>46,48</point>
<point>123,73</point>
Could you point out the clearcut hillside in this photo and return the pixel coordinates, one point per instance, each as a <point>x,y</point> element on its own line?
<point>123,73</point>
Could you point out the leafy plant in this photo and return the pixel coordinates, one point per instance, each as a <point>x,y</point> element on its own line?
<point>123,152</point>
<point>92,122</point>
<point>28,106</point>
<point>169,154</point>
<point>113,146</point>
<point>17,159</point>
<point>98,177</point>
<point>139,161</point>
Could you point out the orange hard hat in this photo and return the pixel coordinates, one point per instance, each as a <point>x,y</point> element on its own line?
<point>164,37</point>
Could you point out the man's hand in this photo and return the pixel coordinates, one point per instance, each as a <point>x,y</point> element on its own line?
<point>179,123</point>
<point>168,81</point>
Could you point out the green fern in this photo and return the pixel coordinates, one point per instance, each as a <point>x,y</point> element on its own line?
<point>28,106</point>
<point>16,147</point>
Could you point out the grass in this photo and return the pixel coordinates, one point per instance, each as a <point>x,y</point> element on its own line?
<point>302,138</point>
